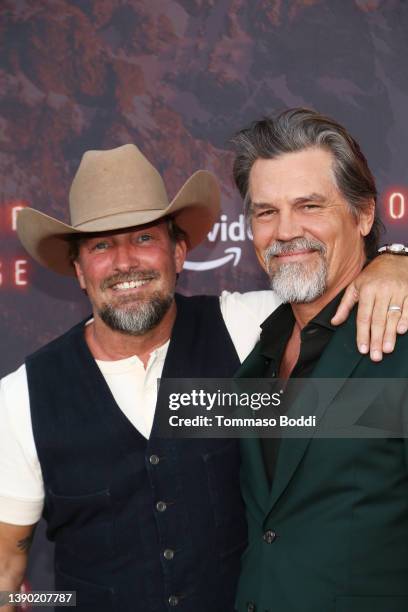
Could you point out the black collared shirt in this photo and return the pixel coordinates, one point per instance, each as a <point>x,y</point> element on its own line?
<point>314,337</point>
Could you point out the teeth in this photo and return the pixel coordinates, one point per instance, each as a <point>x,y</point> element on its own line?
<point>130,285</point>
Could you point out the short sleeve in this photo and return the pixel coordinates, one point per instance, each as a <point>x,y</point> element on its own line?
<point>21,485</point>
<point>243,314</point>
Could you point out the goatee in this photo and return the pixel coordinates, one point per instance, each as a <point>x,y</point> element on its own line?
<point>139,317</point>
<point>297,282</point>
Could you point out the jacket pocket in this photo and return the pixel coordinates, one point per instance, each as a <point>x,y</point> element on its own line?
<point>372,604</point>
<point>81,524</point>
<point>89,596</point>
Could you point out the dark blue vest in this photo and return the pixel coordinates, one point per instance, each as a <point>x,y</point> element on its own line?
<point>139,525</point>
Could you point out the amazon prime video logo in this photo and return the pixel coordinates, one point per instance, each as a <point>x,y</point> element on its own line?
<point>223,231</point>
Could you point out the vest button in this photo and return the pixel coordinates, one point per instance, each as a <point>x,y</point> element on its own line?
<point>173,601</point>
<point>168,554</point>
<point>154,459</point>
<point>161,506</point>
<point>269,536</point>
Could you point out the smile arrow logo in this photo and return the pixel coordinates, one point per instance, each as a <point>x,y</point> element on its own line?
<point>232,253</point>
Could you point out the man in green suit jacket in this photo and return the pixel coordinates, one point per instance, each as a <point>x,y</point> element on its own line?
<point>328,517</point>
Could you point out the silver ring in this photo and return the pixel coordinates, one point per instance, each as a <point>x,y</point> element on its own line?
<point>394,308</point>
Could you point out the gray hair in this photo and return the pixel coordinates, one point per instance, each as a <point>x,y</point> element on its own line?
<point>299,129</point>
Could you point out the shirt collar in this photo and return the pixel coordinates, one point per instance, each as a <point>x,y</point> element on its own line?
<point>277,328</point>
<point>327,313</point>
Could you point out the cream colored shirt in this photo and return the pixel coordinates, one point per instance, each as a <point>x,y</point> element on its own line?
<point>134,389</point>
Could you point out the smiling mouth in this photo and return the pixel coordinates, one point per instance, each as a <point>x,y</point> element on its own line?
<point>126,285</point>
<point>295,253</point>
<point>131,281</point>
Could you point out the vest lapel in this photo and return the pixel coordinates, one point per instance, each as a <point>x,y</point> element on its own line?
<point>200,347</point>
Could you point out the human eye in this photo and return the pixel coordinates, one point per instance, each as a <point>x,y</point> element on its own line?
<point>264,213</point>
<point>101,245</point>
<point>308,207</point>
<point>145,237</point>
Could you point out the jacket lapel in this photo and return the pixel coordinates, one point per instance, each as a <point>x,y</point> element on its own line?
<point>254,365</point>
<point>254,479</point>
<point>338,361</point>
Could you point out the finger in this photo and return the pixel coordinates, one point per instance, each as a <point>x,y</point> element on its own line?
<point>364,315</point>
<point>349,299</point>
<point>403,322</point>
<point>378,325</point>
<point>393,318</point>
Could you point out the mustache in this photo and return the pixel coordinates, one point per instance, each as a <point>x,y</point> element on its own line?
<point>287,247</point>
<point>128,277</point>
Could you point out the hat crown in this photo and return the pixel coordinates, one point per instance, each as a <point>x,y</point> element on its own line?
<point>114,181</point>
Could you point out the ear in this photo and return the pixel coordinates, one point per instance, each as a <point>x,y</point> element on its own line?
<point>79,274</point>
<point>366,219</point>
<point>180,252</point>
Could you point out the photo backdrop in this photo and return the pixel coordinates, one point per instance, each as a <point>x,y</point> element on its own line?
<point>178,78</point>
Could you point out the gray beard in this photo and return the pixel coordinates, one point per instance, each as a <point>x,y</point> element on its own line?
<point>139,317</point>
<point>295,282</point>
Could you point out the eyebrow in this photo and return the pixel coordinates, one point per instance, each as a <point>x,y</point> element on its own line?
<point>312,197</point>
<point>259,205</point>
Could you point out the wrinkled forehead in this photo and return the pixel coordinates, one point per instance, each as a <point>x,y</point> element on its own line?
<point>292,175</point>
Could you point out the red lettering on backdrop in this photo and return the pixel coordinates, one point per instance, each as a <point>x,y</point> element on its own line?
<point>13,270</point>
<point>13,273</point>
<point>396,204</point>
<point>20,272</point>
<point>8,216</point>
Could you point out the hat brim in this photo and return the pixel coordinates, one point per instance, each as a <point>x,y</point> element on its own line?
<point>195,209</point>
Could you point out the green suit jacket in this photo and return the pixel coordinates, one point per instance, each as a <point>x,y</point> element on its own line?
<point>331,535</point>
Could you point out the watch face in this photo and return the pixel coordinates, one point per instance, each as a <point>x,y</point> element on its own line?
<point>397,248</point>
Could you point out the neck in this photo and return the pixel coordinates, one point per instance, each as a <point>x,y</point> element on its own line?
<point>304,313</point>
<point>107,344</point>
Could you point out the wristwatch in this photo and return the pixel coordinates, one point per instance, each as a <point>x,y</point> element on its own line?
<point>394,249</point>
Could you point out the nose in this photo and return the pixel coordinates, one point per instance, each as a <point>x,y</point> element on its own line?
<point>288,226</point>
<point>124,257</point>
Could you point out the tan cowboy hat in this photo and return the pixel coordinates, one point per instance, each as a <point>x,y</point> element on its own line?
<point>114,190</point>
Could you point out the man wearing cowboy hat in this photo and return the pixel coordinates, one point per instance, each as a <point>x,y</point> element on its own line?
<point>140,523</point>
